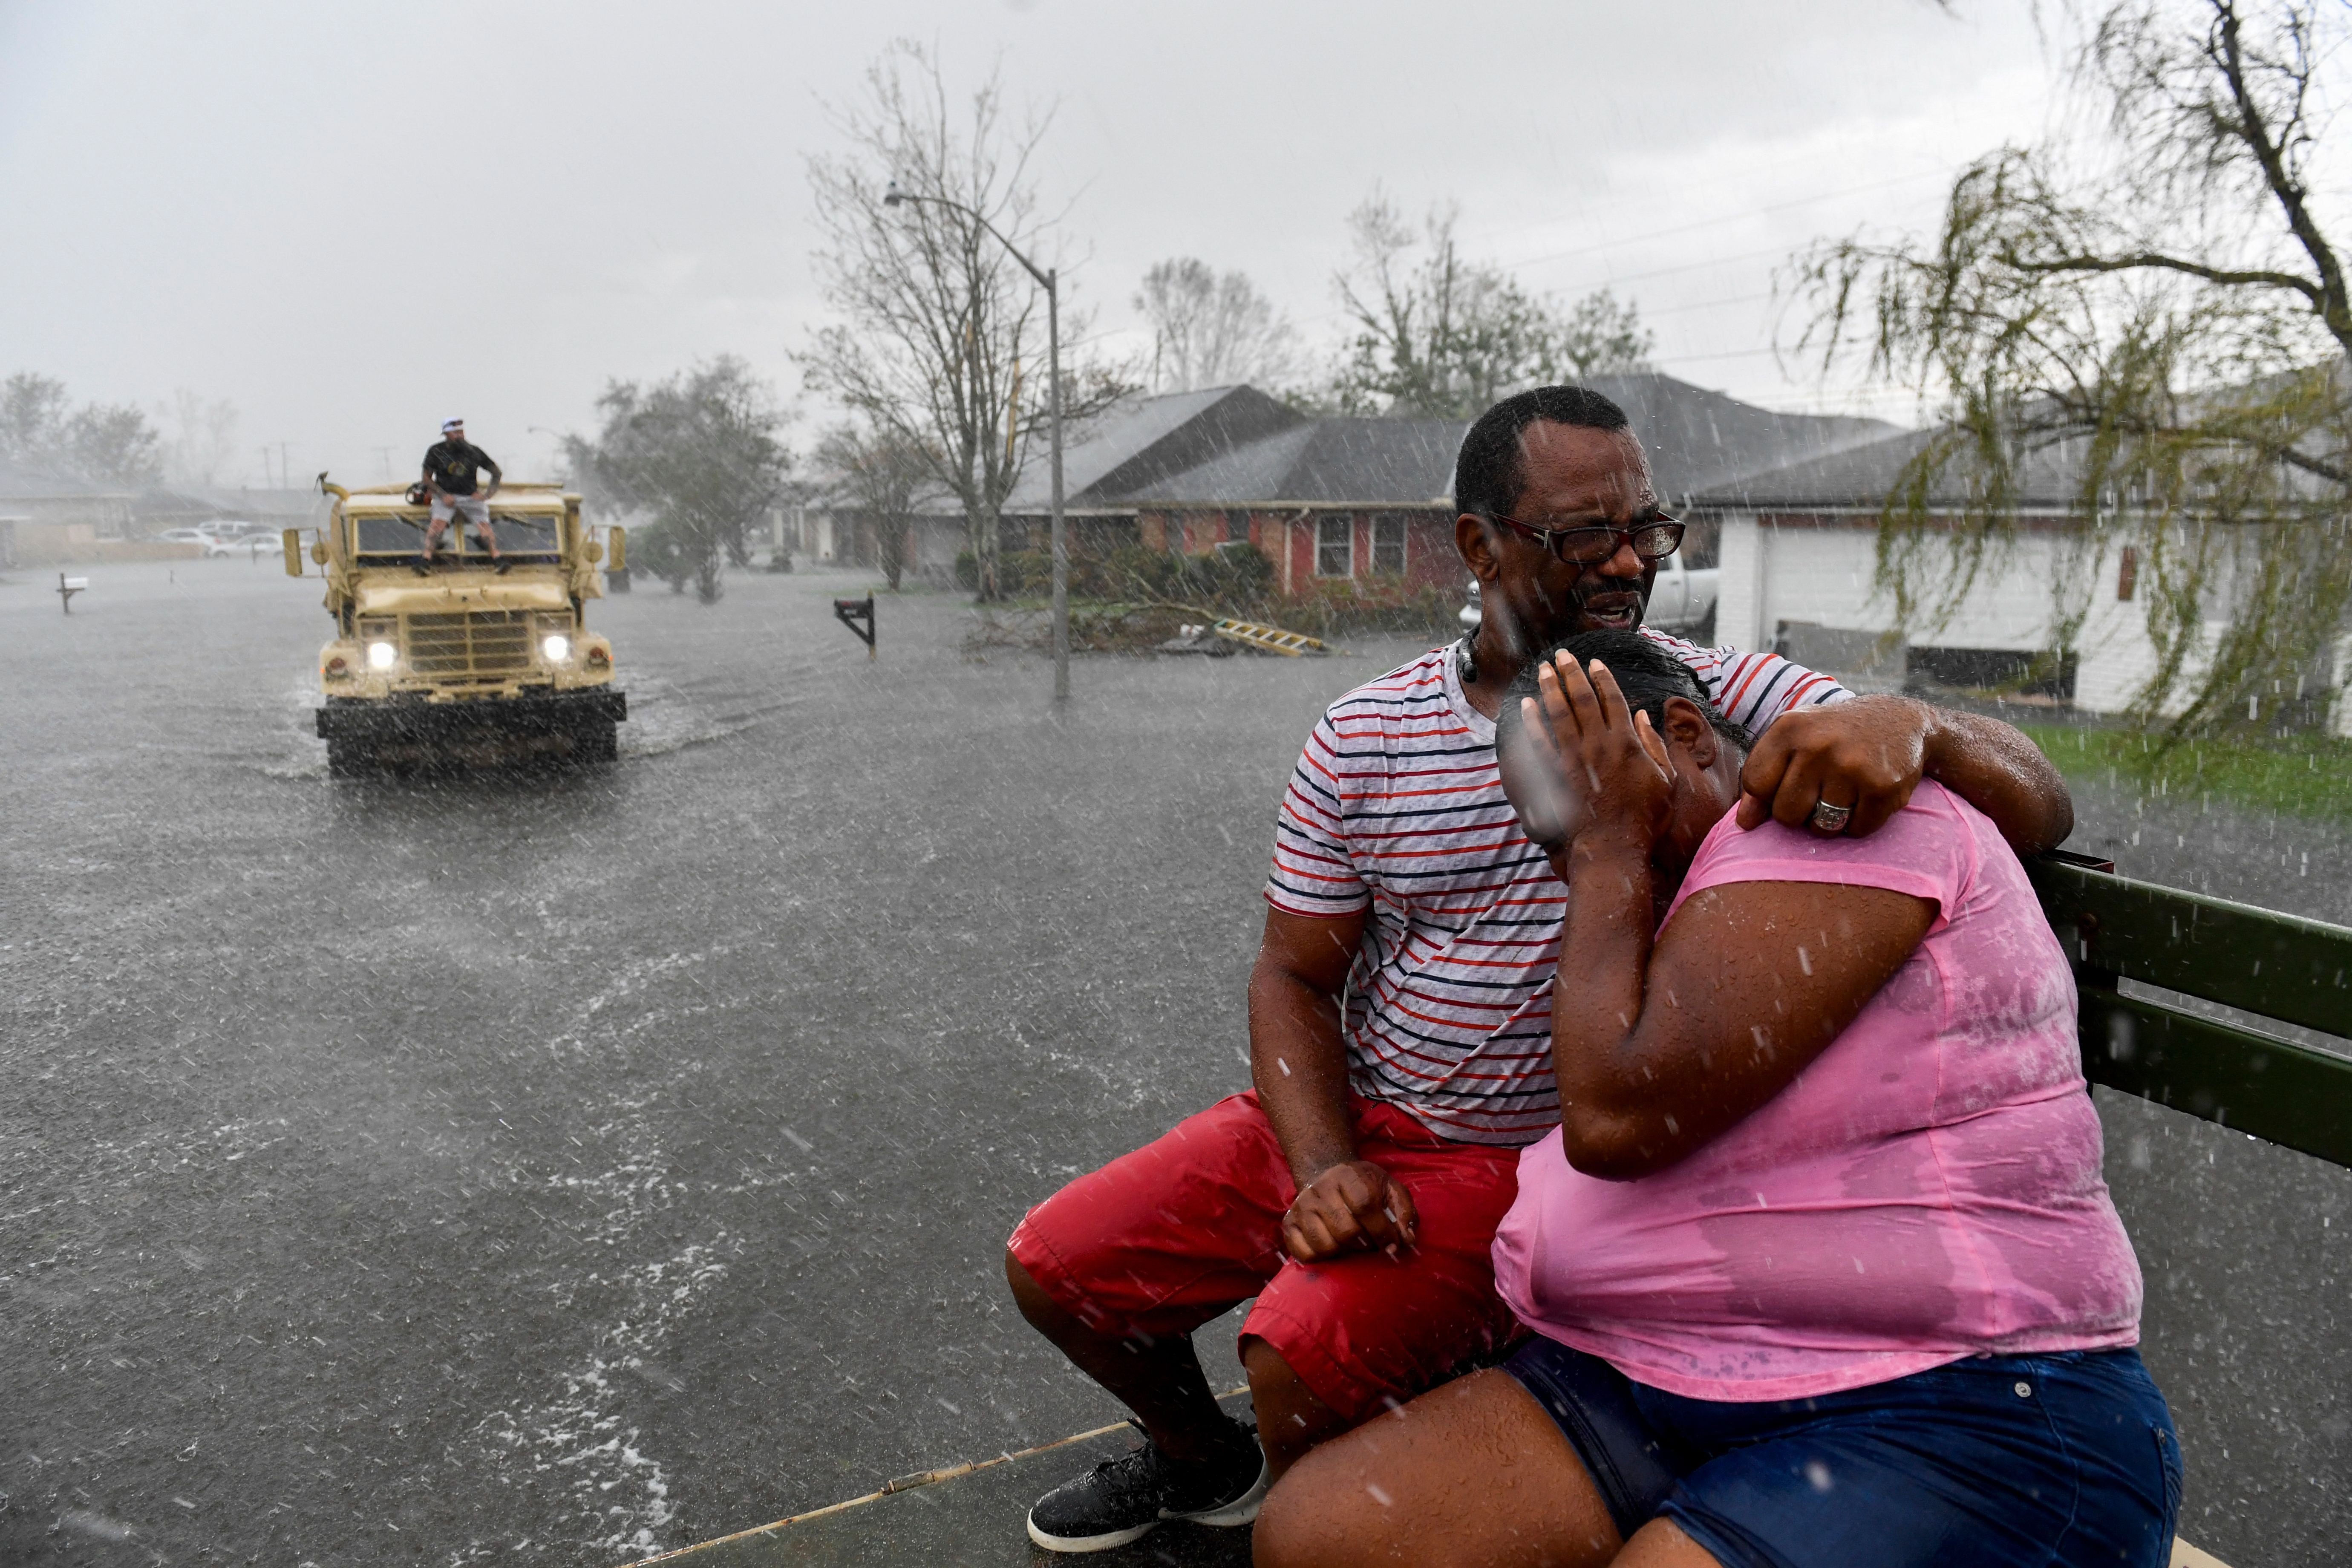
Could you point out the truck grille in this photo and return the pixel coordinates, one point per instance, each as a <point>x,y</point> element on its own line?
<point>486,642</point>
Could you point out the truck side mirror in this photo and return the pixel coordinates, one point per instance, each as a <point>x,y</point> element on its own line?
<point>292,540</point>
<point>620,537</point>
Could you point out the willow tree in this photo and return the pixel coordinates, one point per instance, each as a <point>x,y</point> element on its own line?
<point>2154,296</point>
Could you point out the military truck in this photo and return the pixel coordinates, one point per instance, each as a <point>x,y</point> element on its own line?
<point>461,663</point>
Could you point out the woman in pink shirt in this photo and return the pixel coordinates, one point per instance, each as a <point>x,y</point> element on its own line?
<point>1819,1263</point>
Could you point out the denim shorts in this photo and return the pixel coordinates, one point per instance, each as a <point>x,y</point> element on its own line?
<point>2031,1462</point>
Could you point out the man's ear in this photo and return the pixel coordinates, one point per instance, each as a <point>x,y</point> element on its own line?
<point>1687,728</point>
<point>1474,539</point>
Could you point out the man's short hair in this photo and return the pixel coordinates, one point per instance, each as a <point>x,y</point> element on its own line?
<point>1647,673</point>
<point>1491,470</point>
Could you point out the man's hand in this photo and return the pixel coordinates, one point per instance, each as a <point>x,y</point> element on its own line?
<point>1868,755</point>
<point>1355,1207</point>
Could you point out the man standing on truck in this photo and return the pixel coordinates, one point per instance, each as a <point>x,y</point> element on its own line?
<point>451,468</point>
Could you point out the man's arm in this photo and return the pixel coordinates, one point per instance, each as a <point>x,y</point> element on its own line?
<point>1300,1065</point>
<point>497,476</point>
<point>1871,753</point>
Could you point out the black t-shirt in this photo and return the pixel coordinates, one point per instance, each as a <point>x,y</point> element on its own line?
<point>449,466</point>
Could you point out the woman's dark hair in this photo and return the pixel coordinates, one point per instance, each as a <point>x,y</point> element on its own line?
<point>1490,470</point>
<point>1646,673</point>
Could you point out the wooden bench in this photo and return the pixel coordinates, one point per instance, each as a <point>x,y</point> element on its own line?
<point>2267,969</point>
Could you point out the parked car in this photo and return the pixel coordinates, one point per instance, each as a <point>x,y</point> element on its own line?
<point>211,545</point>
<point>1682,600</point>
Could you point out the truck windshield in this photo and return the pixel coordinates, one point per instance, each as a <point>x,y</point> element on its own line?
<point>526,536</point>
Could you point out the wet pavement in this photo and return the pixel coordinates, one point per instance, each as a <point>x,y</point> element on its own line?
<point>560,1170</point>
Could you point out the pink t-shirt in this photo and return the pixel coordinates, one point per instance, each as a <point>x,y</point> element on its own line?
<point>1926,1189</point>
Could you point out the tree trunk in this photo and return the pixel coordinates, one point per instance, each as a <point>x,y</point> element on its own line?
<point>892,541</point>
<point>706,577</point>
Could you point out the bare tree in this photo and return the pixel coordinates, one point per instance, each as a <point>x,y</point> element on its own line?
<point>878,476</point>
<point>2159,297</point>
<point>1208,330</point>
<point>699,452</point>
<point>32,416</point>
<point>1439,334</point>
<point>201,438</point>
<point>1601,335</point>
<point>938,323</point>
<point>109,444</point>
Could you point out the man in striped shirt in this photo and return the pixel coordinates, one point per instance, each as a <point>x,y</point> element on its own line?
<point>1399,1009</point>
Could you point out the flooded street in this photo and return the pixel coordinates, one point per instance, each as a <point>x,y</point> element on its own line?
<point>560,1169</point>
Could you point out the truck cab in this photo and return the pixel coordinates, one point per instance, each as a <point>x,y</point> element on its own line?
<point>461,663</point>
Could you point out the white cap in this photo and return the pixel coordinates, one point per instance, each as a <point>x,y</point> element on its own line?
<point>450,424</point>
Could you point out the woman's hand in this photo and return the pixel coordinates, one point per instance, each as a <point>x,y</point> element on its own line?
<point>1616,781</point>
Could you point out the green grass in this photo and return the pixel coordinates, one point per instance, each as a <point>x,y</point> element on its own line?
<point>2299,776</point>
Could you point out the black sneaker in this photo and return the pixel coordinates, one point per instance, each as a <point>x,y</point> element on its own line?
<point>505,565</point>
<point>1126,1499</point>
<point>422,567</point>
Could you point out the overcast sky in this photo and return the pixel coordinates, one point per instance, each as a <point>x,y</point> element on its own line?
<point>354,220</point>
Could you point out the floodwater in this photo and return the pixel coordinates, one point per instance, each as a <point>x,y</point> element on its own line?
<point>558,1169</point>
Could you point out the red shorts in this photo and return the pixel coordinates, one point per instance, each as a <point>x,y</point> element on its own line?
<point>1161,1240</point>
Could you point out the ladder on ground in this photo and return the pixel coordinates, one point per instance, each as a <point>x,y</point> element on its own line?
<point>1271,639</point>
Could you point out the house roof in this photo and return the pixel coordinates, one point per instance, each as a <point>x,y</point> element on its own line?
<point>33,484</point>
<point>1235,446</point>
<point>1143,440</point>
<point>1365,461</point>
<point>1863,476</point>
<point>1700,440</point>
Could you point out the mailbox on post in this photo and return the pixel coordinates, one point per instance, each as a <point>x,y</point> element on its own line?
<point>67,587</point>
<point>857,614</point>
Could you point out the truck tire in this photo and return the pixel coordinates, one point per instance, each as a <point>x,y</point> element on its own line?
<point>348,759</point>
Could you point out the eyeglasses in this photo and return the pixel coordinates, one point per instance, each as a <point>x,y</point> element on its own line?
<point>1652,539</point>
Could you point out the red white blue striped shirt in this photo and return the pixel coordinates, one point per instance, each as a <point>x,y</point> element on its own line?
<point>1396,806</point>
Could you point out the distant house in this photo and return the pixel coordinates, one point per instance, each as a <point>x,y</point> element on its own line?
<point>54,520</point>
<point>1799,573</point>
<point>1349,504</point>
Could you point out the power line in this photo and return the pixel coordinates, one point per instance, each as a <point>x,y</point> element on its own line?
<point>1732,217</point>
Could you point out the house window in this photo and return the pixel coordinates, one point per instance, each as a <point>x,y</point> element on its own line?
<point>1335,545</point>
<point>1388,545</point>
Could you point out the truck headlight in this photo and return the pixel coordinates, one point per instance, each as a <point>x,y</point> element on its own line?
<point>556,648</point>
<point>383,656</point>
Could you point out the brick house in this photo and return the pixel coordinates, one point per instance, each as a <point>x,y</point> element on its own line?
<point>1360,505</point>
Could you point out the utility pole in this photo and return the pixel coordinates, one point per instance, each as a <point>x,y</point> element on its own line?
<point>1047,277</point>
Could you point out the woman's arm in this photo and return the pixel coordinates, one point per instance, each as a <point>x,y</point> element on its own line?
<point>1659,1052</point>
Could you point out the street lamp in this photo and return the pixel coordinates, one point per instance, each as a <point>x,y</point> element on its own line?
<point>892,197</point>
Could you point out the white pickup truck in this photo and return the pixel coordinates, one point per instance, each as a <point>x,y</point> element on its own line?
<point>1682,600</point>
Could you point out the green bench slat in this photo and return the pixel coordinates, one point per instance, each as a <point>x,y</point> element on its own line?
<point>2279,966</point>
<point>2286,1094</point>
